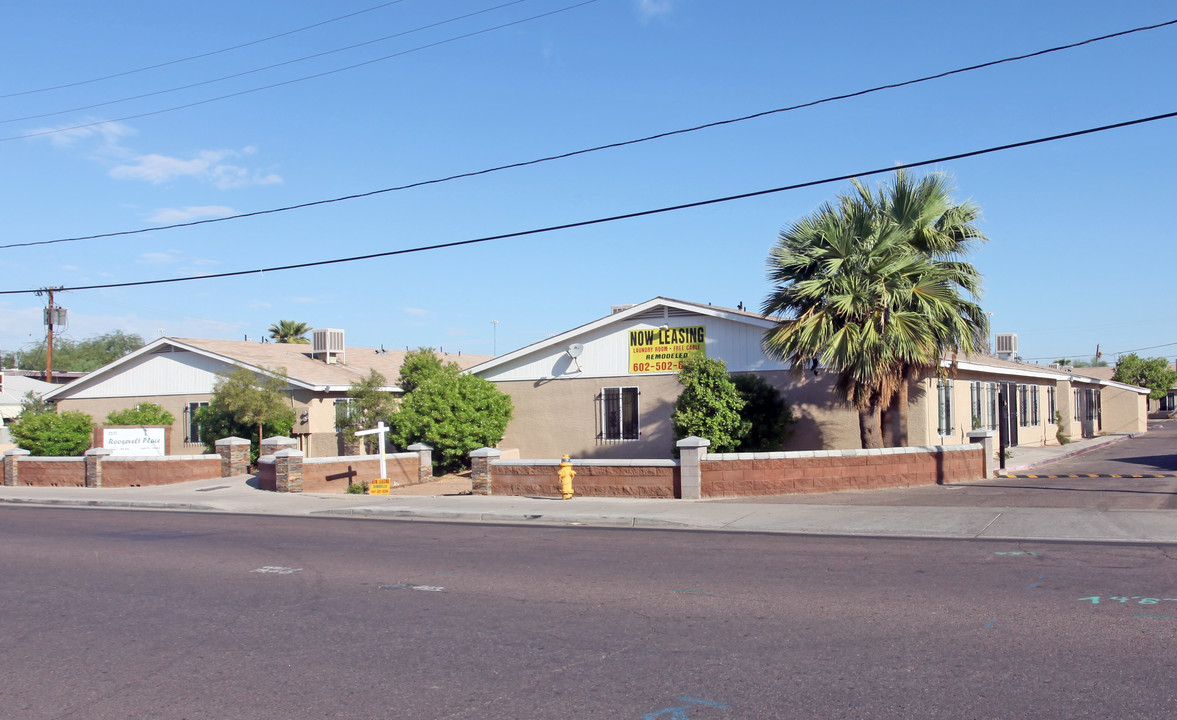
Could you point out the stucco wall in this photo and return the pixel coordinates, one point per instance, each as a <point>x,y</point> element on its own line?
<point>1124,411</point>
<point>553,417</point>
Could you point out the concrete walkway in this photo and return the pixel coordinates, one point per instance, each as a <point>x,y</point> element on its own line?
<point>854,515</point>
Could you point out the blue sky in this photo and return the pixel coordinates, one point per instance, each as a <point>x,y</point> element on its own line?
<point>1081,238</point>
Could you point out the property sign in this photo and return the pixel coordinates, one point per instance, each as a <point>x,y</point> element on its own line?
<point>664,349</point>
<point>379,486</point>
<point>148,442</point>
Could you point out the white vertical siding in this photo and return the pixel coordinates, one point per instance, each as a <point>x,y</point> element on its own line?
<point>168,373</point>
<point>606,350</point>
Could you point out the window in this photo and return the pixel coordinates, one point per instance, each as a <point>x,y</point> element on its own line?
<point>1169,402</point>
<point>193,434</point>
<point>1028,409</point>
<point>991,389</point>
<point>944,406</point>
<point>1051,404</point>
<point>619,413</point>
<point>342,411</point>
<point>977,405</point>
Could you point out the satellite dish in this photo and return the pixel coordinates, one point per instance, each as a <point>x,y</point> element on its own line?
<point>574,350</point>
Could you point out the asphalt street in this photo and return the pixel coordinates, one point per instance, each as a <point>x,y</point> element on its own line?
<point>122,614</point>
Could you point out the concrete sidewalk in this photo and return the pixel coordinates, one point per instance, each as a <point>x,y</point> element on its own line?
<point>855,515</point>
<point>239,496</point>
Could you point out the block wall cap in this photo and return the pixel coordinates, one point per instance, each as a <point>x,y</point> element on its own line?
<point>486,453</point>
<point>231,441</point>
<point>417,447</point>
<point>16,451</point>
<point>289,452</point>
<point>693,442</point>
<point>99,451</point>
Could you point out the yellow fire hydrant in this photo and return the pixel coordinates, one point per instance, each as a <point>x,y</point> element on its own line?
<point>566,473</point>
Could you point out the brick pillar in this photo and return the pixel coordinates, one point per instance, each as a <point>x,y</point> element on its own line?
<point>94,458</point>
<point>11,458</point>
<point>272,445</point>
<point>234,452</point>
<point>425,459</point>
<point>690,452</point>
<point>984,438</point>
<point>480,475</point>
<point>288,471</point>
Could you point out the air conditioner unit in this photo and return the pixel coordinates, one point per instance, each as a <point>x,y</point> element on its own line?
<point>327,345</point>
<point>1006,344</point>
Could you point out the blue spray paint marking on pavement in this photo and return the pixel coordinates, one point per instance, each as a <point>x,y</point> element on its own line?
<point>680,713</point>
<point>701,702</point>
<point>990,625</point>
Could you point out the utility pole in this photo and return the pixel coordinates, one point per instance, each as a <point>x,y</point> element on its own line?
<point>51,317</point>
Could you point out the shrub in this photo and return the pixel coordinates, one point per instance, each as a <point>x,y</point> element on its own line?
<point>142,414</point>
<point>453,413</point>
<point>54,435</point>
<point>709,405</point>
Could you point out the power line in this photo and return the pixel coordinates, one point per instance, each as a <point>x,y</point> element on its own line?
<point>304,78</point>
<point>1116,352</point>
<point>625,216</point>
<point>263,69</point>
<point>199,56</point>
<point>574,153</point>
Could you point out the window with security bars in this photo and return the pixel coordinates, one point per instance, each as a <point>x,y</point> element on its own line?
<point>193,434</point>
<point>944,407</point>
<point>619,413</point>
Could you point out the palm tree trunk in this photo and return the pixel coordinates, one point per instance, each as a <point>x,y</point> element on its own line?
<point>901,397</point>
<point>870,426</point>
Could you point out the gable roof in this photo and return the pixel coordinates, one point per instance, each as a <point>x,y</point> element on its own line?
<point>294,360</point>
<point>13,388</point>
<point>622,315</point>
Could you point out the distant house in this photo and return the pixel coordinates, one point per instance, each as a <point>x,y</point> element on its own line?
<point>178,374</point>
<point>607,389</point>
<point>14,385</point>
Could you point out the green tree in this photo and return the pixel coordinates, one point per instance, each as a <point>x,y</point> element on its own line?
<point>245,404</point>
<point>709,405</point>
<point>769,417</point>
<point>453,413</point>
<point>1151,373</point>
<point>369,403</point>
<point>418,366</point>
<point>871,297</point>
<point>50,434</point>
<point>147,413</point>
<point>77,356</point>
<point>32,404</point>
<point>290,331</point>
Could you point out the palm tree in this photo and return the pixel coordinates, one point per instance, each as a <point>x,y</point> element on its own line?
<point>290,331</point>
<point>871,298</point>
<point>945,232</point>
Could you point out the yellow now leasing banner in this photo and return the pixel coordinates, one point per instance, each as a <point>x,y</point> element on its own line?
<point>664,349</point>
<point>379,487</point>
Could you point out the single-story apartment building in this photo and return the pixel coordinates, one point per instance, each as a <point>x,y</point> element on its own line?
<point>179,374</point>
<point>606,389</point>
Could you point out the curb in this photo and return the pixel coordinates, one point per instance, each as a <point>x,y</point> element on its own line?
<point>1067,455</point>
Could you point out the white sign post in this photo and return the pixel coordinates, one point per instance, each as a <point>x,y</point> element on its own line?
<point>379,431</point>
